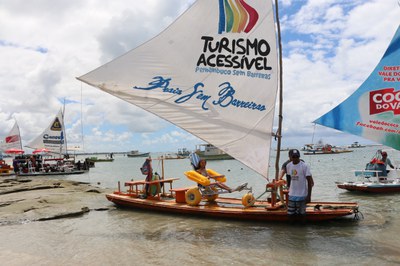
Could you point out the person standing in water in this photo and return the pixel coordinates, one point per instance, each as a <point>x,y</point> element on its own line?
<point>301,184</point>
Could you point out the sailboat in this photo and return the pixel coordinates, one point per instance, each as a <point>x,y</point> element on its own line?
<point>216,78</point>
<point>51,142</point>
<point>372,112</point>
<point>11,144</point>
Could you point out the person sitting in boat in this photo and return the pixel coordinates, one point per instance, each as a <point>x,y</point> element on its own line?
<point>380,163</point>
<point>201,169</point>
<point>386,160</point>
<point>301,185</point>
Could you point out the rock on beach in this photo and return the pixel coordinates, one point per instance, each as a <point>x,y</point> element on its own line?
<point>33,199</point>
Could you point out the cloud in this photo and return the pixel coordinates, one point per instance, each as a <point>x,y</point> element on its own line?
<point>329,48</point>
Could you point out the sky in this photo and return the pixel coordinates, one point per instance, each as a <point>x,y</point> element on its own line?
<point>329,48</point>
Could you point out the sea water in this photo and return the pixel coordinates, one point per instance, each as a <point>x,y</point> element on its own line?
<point>132,237</point>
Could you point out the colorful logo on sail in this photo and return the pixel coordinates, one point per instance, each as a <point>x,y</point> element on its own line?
<point>236,16</point>
<point>56,126</point>
<point>384,100</point>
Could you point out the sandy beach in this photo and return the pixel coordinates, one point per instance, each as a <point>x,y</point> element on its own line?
<point>25,200</point>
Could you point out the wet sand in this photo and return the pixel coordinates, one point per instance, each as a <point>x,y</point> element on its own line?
<point>45,198</point>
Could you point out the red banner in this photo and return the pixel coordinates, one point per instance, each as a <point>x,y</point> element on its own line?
<point>384,100</point>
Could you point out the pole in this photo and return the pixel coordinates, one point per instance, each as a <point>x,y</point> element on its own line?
<point>279,131</point>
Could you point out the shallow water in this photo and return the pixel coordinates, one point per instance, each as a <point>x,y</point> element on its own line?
<point>131,237</point>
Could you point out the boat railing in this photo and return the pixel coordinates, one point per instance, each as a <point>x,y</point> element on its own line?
<point>137,188</point>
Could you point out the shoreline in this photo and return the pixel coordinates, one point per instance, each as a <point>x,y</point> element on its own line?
<point>31,199</point>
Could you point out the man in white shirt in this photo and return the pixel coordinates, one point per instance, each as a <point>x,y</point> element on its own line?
<point>301,185</point>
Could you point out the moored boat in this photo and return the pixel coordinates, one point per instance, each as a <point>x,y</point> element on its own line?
<point>5,169</point>
<point>309,149</point>
<point>370,181</point>
<point>50,153</point>
<point>96,159</point>
<point>355,145</point>
<point>183,152</point>
<point>210,152</point>
<point>136,153</point>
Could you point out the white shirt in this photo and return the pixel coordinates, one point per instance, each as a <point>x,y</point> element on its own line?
<point>298,183</point>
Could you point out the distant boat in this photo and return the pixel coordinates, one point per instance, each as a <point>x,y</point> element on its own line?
<point>210,152</point>
<point>172,156</point>
<point>12,141</point>
<point>325,149</point>
<point>136,153</point>
<point>11,145</point>
<point>5,169</point>
<point>183,152</point>
<point>95,159</point>
<point>50,141</point>
<point>356,145</point>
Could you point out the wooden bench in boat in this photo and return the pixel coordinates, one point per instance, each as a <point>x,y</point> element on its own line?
<point>136,187</point>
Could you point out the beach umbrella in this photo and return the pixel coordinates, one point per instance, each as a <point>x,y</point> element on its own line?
<point>41,151</point>
<point>14,151</point>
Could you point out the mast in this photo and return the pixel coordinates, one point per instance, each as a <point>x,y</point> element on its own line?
<point>279,131</point>
<point>63,133</point>
<point>19,135</point>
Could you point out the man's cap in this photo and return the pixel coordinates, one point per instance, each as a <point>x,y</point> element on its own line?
<point>294,153</point>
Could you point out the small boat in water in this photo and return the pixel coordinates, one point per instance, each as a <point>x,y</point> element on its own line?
<point>310,149</point>
<point>223,207</point>
<point>191,75</point>
<point>96,159</point>
<point>5,169</point>
<point>210,152</point>
<point>370,181</point>
<point>38,165</point>
<point>183,152</point>
<point>356,145</point>
<point>50,153</point>
<point>136,153</point>
<point>11,144</point>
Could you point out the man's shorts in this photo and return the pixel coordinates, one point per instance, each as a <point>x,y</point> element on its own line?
<point>297,207</point>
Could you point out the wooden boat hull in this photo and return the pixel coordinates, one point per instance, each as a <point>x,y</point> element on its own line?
<point>370,187</point>
<point>328,152</point>
<point>76,172</point>
<point>7,174</point>
<point>231,208</point>
<point>100,160</point>
<point>215,157</point>
<point>146,154</point>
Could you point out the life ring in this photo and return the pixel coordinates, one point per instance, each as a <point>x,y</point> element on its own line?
<point>193,196</point>
<point>212,197</point>
<point>218,177</point>
<point>198,178</point>
<point>248,200</point>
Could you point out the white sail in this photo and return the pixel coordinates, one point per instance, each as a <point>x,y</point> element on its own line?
<point>12,140</point>
<point>52,137</point>
<point>213,72</point>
